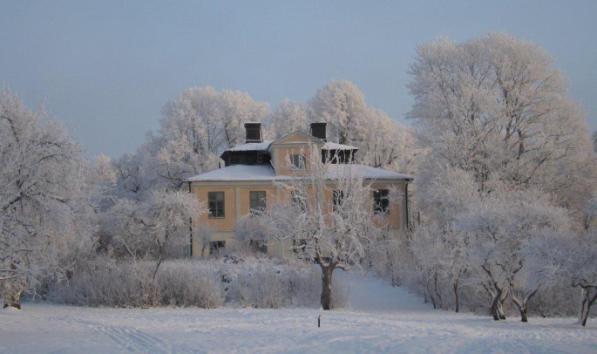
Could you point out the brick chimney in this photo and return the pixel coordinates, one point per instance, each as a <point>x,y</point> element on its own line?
<point>253,133</point>
<point>318,130</point>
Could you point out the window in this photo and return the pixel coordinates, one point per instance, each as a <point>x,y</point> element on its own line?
<point>381,201</point>
<point>216,247</point>
<point>297,161</point>
<point>338,198</point>
<point>216,204</point>
<point>299,200</point>
<point>258,246</point>
<point>256,201</point>
<point>299,246</point>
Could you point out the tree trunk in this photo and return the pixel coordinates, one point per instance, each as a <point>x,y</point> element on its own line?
<point>431,297</point>
<point>500,309</point>
<point>523,304</point>
<point>497,305</point>
<point>523,314</point>
<point>456,297</point>
<point>157,267</point>
<point>522,308</point>
<point>494,306</point>
<point>437,292</point>
<point>326,287</point>
<point>588,300</point>
<point>13,299</point>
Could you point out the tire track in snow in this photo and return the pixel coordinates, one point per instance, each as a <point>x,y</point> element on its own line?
<point>131,338</point>
<point>128,338</point>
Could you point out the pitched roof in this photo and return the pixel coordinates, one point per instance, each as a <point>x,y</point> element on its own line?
<point>363,171</point>
<point>266,173</point>
<point>335,146</point>
<point>263,146</point>
<point>302,133</point>
<point>237,173</point>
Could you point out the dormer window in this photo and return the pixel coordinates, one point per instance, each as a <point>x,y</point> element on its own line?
<point>297,161</point>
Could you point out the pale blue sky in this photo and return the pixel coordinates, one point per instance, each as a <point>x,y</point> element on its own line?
<point>106,68</point>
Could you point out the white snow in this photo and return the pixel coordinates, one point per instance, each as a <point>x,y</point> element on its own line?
<point>335,146</point>
<point>380,319</point>
<point>263,146</point>
<point>266,173</point>
<point>237,173</point>
<point>363,171</point>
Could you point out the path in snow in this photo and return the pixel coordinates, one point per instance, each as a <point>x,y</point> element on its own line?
<point>368,293</point>
<point>381,319</point>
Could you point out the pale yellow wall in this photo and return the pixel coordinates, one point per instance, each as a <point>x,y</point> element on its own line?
<point>395,216</point>
<point>282,149</point>
<point>270,192</point>
<point>237,205</point>
<point>218,224</point>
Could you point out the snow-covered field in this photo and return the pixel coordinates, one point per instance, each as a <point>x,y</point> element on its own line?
<point>380,319</point>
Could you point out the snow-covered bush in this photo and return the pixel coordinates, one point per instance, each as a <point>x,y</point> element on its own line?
<point>268,283</point>
<point>182,284</point>
<point>233,281</point>
<point>106,282</point>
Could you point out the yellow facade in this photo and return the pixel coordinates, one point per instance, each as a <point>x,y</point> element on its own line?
<point>237,192</point>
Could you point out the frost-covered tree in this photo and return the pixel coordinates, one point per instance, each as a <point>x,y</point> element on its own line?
<point>499,125</point>
<point>131,177</point>
<point>441,255</point>
<point>591,212</point>
<point>442,192</point>
<point>501,226</point>
<point>342,105</point>
<point>167,221</point>
<point>196,127</point>
<point>325,221</point>
<point>43,211</point>
<point>496,105</point>
<point>381,141</point>
<point>583,272</point>
<point>289,117</point>
<point>571,259</point>
<point>155,227</point>
<point>388,144</point>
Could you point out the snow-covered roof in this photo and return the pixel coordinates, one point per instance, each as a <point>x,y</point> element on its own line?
<point>335,146</point>
<point>263,146</point>
<point>266,173</point>
<point>363,171</point>
<point>237,173</point>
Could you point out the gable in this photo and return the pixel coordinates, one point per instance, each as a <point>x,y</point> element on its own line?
<point>296,137</point>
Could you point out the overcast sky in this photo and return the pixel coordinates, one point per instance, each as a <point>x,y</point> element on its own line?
<point>106,68</point>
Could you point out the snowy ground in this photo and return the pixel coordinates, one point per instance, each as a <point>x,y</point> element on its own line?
<point>380,319</point>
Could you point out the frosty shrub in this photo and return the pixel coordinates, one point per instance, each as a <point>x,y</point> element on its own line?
<point>232,281</point>
<point>183,284</point>
<point>105,282</point>
<point>267,283</point>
